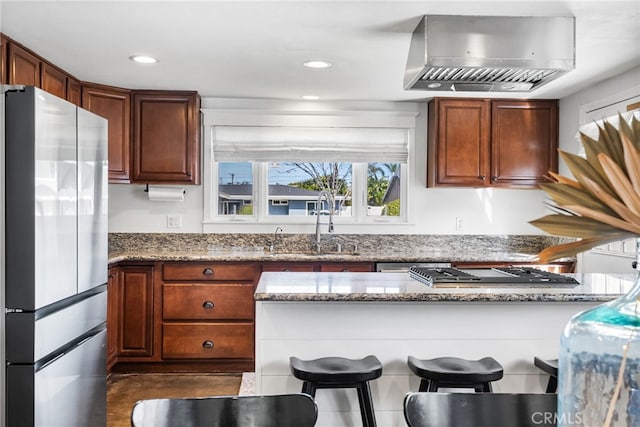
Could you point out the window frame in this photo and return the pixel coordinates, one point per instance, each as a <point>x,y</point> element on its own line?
<point>213,117</point>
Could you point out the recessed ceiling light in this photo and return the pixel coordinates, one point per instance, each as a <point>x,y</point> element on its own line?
<point>143,59</point>
<point>317,64</point>
<point>310,97</point>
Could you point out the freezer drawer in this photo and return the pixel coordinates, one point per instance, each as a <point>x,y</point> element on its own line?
<point>69,391</point>
<point>31,336</point>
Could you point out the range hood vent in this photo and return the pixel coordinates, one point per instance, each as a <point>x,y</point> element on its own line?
<point>489,53</point>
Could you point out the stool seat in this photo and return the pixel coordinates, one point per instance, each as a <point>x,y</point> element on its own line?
<point>454,372</point>
<point>340,372</point>
<point>550,366</point>
<point>336,369</point>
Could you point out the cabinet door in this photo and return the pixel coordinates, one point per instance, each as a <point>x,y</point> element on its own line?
<point>3,61</point>
<point>458,142</point>
<point>135,311</point>
<point>112,316</point>
<point>524,142</point>
<point>53,80</point>
<point>114,105</point>
<point>166,137</point>
<point>24,68</point>
<point>74,91</point>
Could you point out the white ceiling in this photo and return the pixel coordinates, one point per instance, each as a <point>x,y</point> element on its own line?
<point>256,49</point>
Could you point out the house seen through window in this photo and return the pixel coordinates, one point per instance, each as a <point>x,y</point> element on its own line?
<point>293,188</point>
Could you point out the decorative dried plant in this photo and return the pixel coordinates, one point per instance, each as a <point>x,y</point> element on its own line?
<point>602,204</point>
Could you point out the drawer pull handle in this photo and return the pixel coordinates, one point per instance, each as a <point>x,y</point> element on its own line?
<point>207,344</point>
<point>287,270</point>
<point>208,271</point>
<point>345,270</point>
<point>208,304</point>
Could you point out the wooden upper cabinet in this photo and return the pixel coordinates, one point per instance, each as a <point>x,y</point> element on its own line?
<point>500,143</point>
<point>458,142</point>
<point>113,104</point>
<point>74,91</point>
<point>3,61</point>
<point>53,80</point>
<point>24,67</point>
<point>524,142</point>
<point>166,137</point>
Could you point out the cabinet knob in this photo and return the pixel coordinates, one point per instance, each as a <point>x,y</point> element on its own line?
<point>482,177</point>
<point>494,178</point>
<point>207,344</point>
<point>208,271</point>
<point>208,304</point>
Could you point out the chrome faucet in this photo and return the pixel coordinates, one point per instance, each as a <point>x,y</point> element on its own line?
<point>329,198</point>
<point>272,246</point>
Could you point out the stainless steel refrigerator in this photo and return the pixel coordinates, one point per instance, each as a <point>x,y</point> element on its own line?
<point>56,261</point>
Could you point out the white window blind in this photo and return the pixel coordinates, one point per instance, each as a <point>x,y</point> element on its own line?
<point>310,144</point>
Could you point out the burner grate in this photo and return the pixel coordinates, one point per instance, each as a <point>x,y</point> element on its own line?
<point>531,277</point>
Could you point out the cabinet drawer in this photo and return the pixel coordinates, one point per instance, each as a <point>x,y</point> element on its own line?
<point>347,267</point>
<point>207,341</point>
<point>287,266</point>
<point>207,301</point>
<point>209,271</point>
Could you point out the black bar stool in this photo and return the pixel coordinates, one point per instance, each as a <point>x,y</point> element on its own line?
<point>550,366</point>
<point>454,372</point>
<point>339,372</point>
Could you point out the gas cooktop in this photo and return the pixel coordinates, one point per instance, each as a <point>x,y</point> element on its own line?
<point>451,277</point>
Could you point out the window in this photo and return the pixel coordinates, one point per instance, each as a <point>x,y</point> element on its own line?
<point>235,188</point>
<point>280,168</point>
<point>299,185</point>
<point>383,189</point>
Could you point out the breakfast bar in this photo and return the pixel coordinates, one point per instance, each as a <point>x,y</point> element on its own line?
<point>392,316</point>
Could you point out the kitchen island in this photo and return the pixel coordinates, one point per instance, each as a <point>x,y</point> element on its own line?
<point>390,315</point>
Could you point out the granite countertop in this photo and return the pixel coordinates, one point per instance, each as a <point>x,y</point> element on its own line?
<point>240,255</point>
<point>301,247</point>
<point>399,287</point>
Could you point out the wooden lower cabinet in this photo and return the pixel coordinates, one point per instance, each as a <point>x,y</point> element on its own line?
<point>112,316</point>
<point>214,340</point>
<point>135,316</point>
<point>207,301</point>
<point>332,266</point>
<point>288,266</point>
<point>184,316</point>
<point>345,267</point>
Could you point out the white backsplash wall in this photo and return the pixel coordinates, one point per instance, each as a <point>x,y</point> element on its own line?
<point>623,85</point>
<point>432,210</point>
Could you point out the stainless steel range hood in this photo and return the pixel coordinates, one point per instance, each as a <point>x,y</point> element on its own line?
<point>489,53</point>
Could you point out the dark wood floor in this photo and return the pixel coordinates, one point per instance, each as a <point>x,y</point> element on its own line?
<point>124,390</point>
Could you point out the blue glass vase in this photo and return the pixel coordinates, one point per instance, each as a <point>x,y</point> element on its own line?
<point>599,363</point>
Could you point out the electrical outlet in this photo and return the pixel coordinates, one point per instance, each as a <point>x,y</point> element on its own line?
<point>174,221</point>
<point>459,223</point>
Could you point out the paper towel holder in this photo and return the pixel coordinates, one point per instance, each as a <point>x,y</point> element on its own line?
<point>146,189</point>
